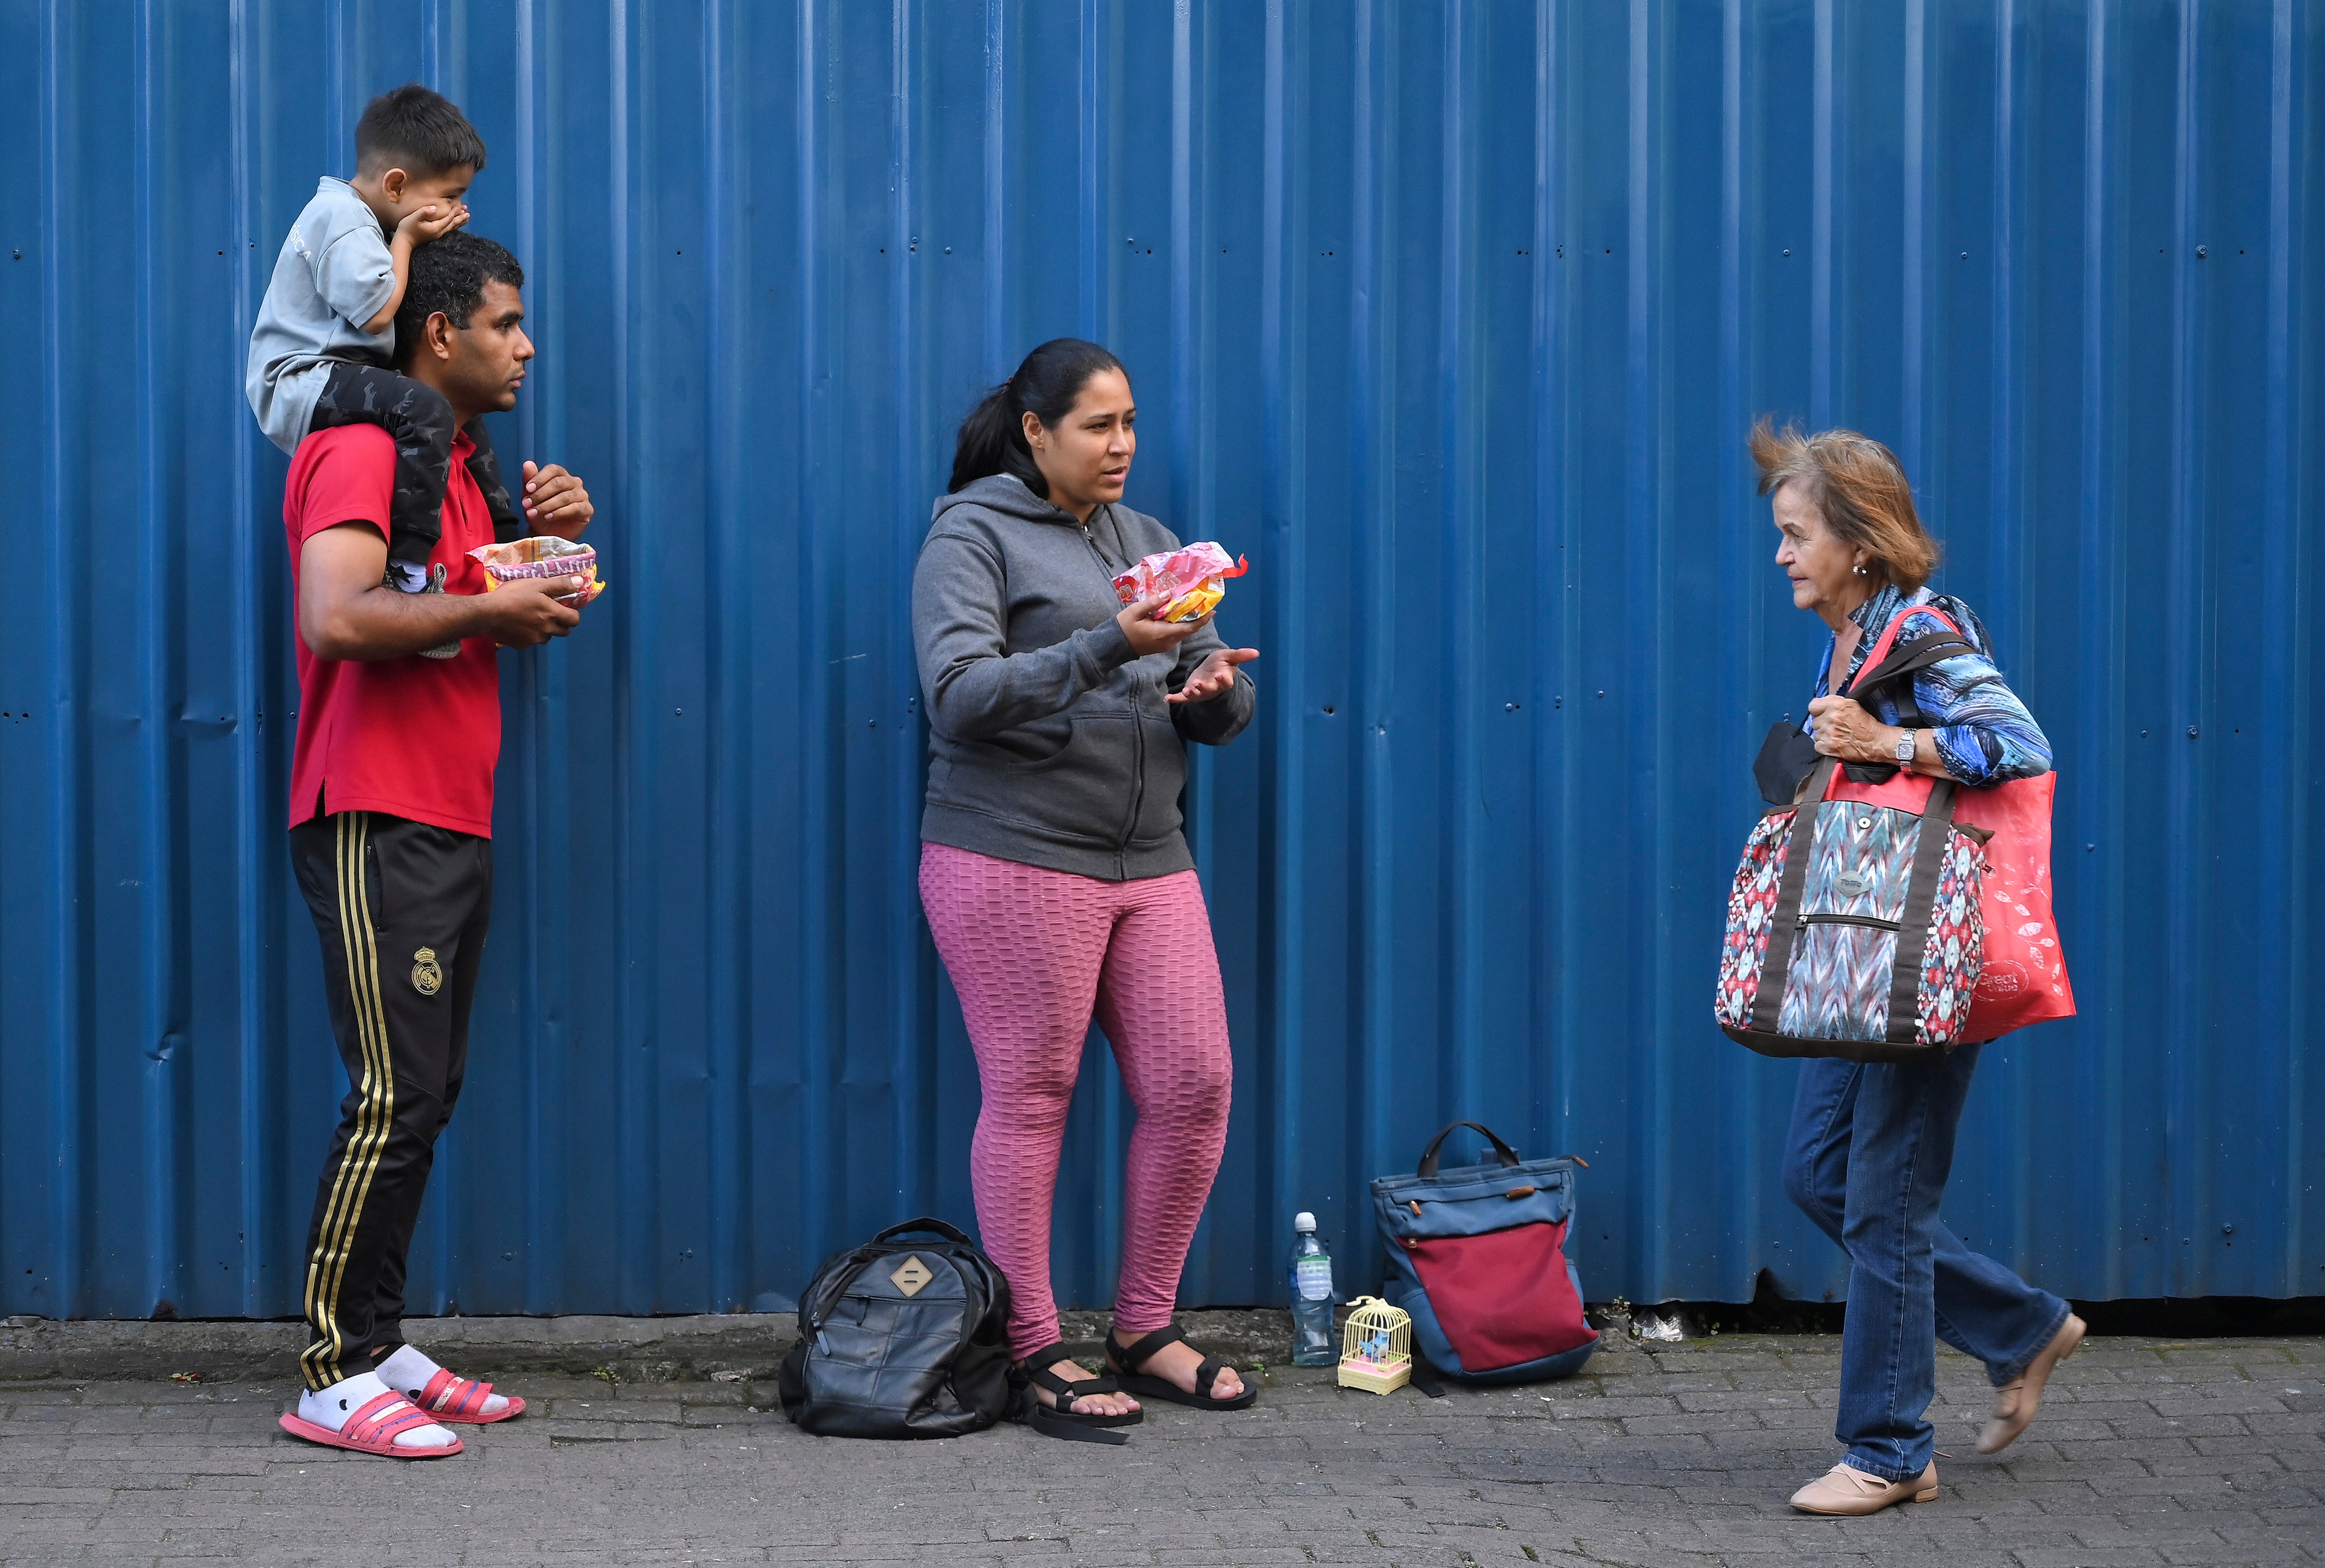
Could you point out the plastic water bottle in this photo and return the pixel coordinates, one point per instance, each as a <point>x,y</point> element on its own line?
<point>1311,1296</point>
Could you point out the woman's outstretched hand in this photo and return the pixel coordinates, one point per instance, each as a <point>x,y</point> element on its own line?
<point>1214,674</point>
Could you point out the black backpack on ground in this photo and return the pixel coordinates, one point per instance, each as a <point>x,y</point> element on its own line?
<point>902,1339</point>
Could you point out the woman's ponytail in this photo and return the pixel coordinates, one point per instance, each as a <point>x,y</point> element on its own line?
<point>992,438</point>
<point>993,441</point>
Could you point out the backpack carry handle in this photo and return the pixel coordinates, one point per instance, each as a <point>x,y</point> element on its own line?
<point>1502,1151</point>
<point>933,1227</point>
<point>830,1282</point>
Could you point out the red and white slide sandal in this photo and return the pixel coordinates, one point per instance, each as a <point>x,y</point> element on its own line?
<point>373,1429</point>
<point>448,1399</point>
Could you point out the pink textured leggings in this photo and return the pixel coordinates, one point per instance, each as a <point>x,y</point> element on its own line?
<point>1033,954</point>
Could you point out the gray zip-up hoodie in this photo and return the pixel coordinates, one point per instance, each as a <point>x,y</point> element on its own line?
<point>1053,745</point>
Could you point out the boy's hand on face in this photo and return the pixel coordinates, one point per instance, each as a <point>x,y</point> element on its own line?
<point>432,222</point>
<point>554,500</point>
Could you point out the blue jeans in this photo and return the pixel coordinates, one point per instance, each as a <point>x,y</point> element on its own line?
<point>1867,1157</point>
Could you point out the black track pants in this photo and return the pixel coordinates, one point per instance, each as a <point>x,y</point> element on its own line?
<point>420,421</point>
<point>402,908</point>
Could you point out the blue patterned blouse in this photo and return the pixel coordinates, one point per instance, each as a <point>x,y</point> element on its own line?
<point>1984,735</point>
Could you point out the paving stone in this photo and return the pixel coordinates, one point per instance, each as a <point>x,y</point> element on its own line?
<point>2146,1453</point>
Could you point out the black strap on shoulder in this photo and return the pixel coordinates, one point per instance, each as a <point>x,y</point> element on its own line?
<point>1788,755</point>
<point>1905,659</point>
<point>1784,920</point>
<point>1896,670</point>
<point>1502,1151</point>
<point>1921,908</point>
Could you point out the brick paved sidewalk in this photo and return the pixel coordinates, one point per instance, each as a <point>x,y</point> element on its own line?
<point>2147,1451</point>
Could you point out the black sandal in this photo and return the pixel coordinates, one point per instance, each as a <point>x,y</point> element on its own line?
<point>1061,1420</point>
<point>1121,1359</point>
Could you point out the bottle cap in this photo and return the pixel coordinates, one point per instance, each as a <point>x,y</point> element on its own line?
<point>1303,1221</point>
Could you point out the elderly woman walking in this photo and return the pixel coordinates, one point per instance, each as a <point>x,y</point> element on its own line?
<point>1871,1143</point>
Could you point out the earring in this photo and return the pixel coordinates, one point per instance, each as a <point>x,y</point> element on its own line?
<point>1860,571</point>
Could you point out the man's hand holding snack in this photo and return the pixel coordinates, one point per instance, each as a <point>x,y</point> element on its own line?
<point>526,612</point>
<point>345,611</point>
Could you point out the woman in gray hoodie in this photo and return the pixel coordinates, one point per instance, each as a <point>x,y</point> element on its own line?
<point>1057,882</point>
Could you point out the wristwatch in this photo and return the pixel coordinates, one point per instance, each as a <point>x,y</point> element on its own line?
<point>1906,748</point>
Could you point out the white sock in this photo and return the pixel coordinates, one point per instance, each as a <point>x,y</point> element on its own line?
<point>407,1371</point>
<point>333,1407</point>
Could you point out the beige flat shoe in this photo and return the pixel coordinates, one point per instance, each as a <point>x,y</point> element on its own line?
<point>2014,1402</point>
<point>1844,1490</point>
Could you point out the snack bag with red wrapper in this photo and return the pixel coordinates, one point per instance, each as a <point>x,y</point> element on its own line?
<point>542,556</point>
<point>1194,575</point>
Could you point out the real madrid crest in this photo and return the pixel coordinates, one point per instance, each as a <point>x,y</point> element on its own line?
<point>425,976</point>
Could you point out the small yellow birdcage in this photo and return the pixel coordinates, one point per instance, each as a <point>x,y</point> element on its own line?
<point>1377,1346</point>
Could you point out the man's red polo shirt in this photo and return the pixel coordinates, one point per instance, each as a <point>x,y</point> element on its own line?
<point>415,737</point>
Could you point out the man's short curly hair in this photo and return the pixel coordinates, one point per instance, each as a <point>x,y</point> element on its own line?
<point>450,275</point>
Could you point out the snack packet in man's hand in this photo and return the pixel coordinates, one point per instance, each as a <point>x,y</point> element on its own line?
<point>544,555</point>
<point>1194,575</point>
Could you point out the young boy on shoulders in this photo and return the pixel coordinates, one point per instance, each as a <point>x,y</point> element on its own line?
<point>323,348</point>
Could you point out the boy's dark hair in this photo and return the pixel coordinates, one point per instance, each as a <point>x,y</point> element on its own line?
<point>417,130</point>
<point>450,275</point>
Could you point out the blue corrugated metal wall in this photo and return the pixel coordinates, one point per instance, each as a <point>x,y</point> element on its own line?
<point>1451,316</point>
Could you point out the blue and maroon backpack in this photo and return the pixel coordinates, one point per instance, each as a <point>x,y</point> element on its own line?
<point>1478,1255</point>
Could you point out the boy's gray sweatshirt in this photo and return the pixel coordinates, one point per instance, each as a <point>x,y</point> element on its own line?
<point>334,272</point>
<point>1052,744</point>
